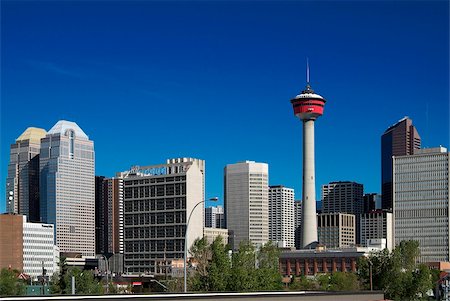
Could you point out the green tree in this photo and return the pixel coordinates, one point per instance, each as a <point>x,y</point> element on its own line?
<point>85,283</point>
<point>243,271</point>
<point>303,284</point>
<point>201,254</point>
<point>220,267</point>
<point>268,274</point>
<point>10,285</point>
<point>397,273</point>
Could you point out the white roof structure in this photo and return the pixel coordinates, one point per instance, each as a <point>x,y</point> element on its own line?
<point>308,95</point>
<point>63,125</point>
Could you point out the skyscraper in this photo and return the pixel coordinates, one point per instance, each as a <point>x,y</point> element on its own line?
<point>158,201</point>
<point>109,217</point>
<point>22,182</point>
<point>247,202</point>
<point>67,187</point>
<point>281,216</point>
<point>421,202</point>
<point>400,139</point>
<point>308,106</point>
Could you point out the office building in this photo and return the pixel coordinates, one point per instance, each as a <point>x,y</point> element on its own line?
<point>298,223</point>
<point>158,201</point>
<point>11,241</point>
<point>308,106</point>
<point>67,187</point>
<point>377,224</point>
<point>215,217</point>
<point>421,202</point>
<point>281,216</point>
<point>247,202</point>
<point>336,230</point>
<point>400,139</point>
<point>22,182</point>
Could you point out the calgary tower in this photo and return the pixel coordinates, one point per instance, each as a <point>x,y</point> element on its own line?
<point>308,106</point>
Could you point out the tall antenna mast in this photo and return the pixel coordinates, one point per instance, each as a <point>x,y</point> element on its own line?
<point>307,71</point>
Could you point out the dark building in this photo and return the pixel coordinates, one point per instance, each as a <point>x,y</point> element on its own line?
<point>400,139</point>
<point>22,182</point>
<point>371,202</point>
<point>100,216</point>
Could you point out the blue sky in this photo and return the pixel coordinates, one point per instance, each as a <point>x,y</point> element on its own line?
<point>152,80</point>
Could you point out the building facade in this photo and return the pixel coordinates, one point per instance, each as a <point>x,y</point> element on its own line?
<point>298,223</point>
<point>336,230</point>
<point>371,202</point>
<point>344,197</point>
<point>247,202</point>
<point>281,216</point>
<point>212,233</point>
<point>158,201</point>
<point>22,182</point>
<point>400,139</point>
<point>377,224</point>
<point>421,202</point>
<point>215,217</point>
<point>67,187</point>
<point>11,241</point>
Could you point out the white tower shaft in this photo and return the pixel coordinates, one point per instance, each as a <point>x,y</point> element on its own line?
<point>309,219</point>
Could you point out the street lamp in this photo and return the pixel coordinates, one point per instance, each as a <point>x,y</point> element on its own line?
<point>107,272</point>
<point>214,199</point>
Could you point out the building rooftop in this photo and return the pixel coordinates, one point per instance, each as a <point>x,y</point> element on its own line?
<point>33,134</point>
<point>63,125</point>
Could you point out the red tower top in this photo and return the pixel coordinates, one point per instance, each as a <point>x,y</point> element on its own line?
<point>308,105</point>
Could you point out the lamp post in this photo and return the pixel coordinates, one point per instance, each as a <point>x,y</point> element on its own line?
<point>214,199</point>
<point>107,272</point>
<point>370,273</point>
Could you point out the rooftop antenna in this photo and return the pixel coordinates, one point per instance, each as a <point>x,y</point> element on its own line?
<point>307,71</point>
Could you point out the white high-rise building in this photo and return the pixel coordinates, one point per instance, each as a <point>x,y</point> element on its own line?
<point>421,201</point>
<point>39,250</point>
<point>67,187</point>
<point>247,202</point>
<point>281,216</point>
<point>214,217</point>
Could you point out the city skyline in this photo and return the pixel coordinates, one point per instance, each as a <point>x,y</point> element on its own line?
<point>147,89</point>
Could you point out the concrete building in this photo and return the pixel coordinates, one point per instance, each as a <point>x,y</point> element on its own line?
<point>421,202</point>
<point>281,216</point>
<point>212,233</point>
<point>308,106</point>
<point>27,247</point>
<point>247,202</point>
<point>158,200</point>
<point>22,182</point>
<point>215,217</point>
<point>377,224</point>
<point>298,223</point>
<point>336,230</point>
<point>400,139</point>
<point>67,187</point>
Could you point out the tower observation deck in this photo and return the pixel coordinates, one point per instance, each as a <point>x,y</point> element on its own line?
<point>308,106</point>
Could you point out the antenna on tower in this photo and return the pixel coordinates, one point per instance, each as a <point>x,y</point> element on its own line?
<point>307,71</point>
